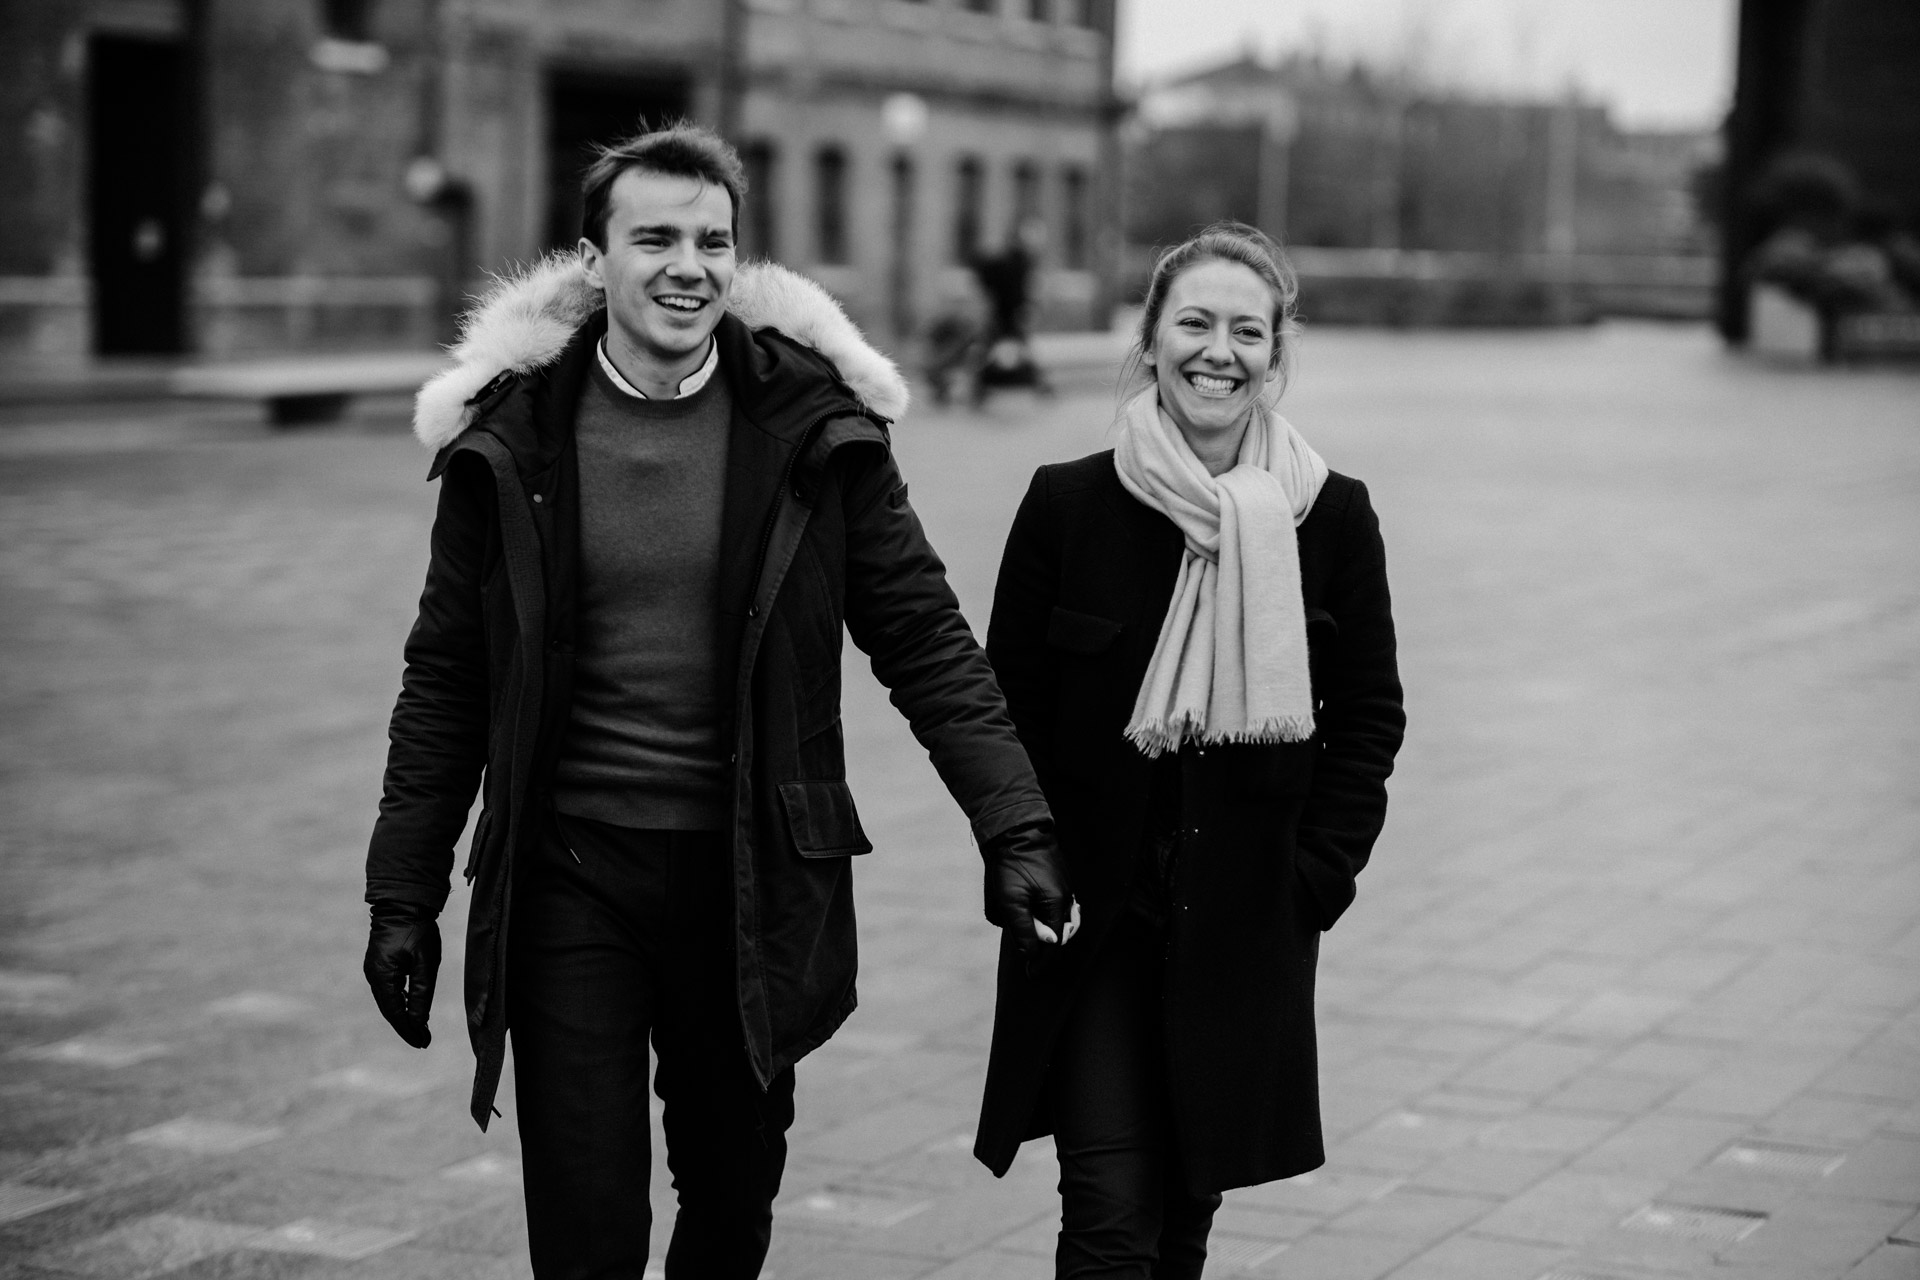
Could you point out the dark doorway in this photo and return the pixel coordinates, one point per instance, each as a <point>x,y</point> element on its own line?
<point>136,124</point>
<point>587,111</point>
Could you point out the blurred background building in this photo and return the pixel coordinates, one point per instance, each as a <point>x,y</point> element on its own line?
<point>1405,204</point>
<point>236,176</point>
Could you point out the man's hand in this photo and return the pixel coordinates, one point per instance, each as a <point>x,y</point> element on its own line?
<point>1027,885</point>
<point>403,958</point>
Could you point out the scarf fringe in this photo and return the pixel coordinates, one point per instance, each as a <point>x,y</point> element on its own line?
<point>1155,740</point>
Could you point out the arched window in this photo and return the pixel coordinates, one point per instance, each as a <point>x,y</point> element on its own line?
<point>759,223</point>
<point>969,206</point>
<point>347,19</point>
<point>1073,229</point>
<point>1026,194</point>
<point>830,205</point>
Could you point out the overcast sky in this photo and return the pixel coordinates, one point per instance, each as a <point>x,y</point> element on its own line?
<point>1658,62</point>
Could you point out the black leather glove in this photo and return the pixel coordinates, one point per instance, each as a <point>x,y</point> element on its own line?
<point>403,958</point>
<point>1027,882</point>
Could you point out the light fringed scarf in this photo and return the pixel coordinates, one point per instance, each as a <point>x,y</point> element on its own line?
<point>1231,661</point>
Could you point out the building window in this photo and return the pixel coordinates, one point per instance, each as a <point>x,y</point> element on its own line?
<point>1091,14</point>
<point>759,225</point>
<point>1026,195</point>
<point>977,6</point>
<point>969,200</point>
<point>1040,10</point>
<point>350,20</point>
<point>1073,231</point>
<point>830,205</point>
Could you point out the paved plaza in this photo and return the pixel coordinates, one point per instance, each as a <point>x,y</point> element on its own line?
<point>1632,988</point>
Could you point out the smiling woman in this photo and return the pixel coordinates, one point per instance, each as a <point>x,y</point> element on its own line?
<point>1194,639</point>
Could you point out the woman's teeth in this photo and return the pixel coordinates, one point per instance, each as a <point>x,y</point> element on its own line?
<point>1207,386</point>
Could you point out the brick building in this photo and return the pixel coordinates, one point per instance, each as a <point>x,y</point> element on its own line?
<point>234,176</point>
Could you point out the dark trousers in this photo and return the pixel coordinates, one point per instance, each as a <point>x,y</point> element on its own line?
<point>1126,1209</point>
<point>617,935</point>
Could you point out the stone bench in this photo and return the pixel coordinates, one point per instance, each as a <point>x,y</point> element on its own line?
<point>307,389</point>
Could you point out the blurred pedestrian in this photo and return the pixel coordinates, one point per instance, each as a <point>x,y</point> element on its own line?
<point>1006,353</point>
<point>666,490</point>
<point>1194,638</point>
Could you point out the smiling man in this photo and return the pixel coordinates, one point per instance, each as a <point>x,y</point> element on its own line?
<point>666,493</point>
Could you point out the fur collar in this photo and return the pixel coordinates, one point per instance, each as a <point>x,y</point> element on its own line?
<point>525,320</point>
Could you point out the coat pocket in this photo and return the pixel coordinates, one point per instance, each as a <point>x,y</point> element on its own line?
<point>1082,633</point>
<point>821,819</point>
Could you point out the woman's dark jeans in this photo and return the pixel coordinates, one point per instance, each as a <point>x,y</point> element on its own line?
<point>625,935</point>
<point>1126,1210</point>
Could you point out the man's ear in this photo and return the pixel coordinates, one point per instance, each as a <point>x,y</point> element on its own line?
<point>590,256</point>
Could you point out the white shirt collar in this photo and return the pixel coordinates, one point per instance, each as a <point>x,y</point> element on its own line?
<point>688,385</point>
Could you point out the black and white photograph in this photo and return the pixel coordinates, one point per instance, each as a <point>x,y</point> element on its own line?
<point>959,640</point>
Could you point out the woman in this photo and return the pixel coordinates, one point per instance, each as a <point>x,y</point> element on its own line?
<point>1193,634</point>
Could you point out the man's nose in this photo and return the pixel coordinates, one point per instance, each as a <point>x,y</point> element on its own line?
<point>685,261</point>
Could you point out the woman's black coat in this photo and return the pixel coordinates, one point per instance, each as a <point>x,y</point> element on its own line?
<point>1280,831</point>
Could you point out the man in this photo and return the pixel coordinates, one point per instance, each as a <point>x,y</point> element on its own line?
<point>666,487</point>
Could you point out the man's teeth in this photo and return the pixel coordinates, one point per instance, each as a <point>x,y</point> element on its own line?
<point>681,304</point>
<point>1211,386</point>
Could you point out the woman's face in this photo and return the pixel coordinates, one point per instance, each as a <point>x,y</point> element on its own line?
<point>1212,350</point>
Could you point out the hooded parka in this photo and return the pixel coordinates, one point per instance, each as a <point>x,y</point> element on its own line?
<point>1275,834</point>
<point>817,537</point>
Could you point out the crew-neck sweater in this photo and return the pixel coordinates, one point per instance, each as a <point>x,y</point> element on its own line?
<point>642,746</point>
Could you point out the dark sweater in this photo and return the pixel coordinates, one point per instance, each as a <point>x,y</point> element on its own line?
<point>642,747</point>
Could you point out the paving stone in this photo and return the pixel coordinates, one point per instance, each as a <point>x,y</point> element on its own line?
<point>1531,1068</point>
<point>1323,1192</point>
<point>1483,1172</point>
<point>1415,1213</point>
<point>1660,1145</point>
<point>1327,1255</point>
<point>1888,1262</point>
<point>1470,1256</point>
<point>200,1136</point>
<point>19,1199</point>
<point>23,992</point>
<point>1885,1168</point>
<point>89,1051</point>
<point>327,1239</point>
<point>1566,1208</point>
<point>149,1246</point>
<point>268,1007</point>
<point>1611,1094</point>
<point>1563,1133</point>
<point>1753,1087</point>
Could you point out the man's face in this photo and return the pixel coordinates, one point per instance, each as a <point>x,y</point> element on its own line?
<point>668,264</point>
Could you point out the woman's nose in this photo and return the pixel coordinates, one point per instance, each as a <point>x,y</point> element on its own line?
<point>1219,350</point>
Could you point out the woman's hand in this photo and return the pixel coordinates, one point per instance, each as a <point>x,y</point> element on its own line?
<point>1027,890</point>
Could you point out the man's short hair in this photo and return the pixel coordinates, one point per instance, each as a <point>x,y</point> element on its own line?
<point>678,150</point>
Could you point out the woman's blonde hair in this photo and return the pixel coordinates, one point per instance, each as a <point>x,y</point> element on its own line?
<point>1224,241</point>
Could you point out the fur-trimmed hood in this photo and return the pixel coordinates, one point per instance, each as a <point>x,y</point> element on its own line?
<point>526,319</point>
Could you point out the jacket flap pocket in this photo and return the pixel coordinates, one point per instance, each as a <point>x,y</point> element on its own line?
<point>1081,632</point>
<point>821,817</point>
<point>1320,618</point>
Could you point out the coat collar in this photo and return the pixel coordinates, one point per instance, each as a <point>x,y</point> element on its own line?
<point>529,321</point>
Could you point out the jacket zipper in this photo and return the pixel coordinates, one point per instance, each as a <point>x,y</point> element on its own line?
<point>786,480</point>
